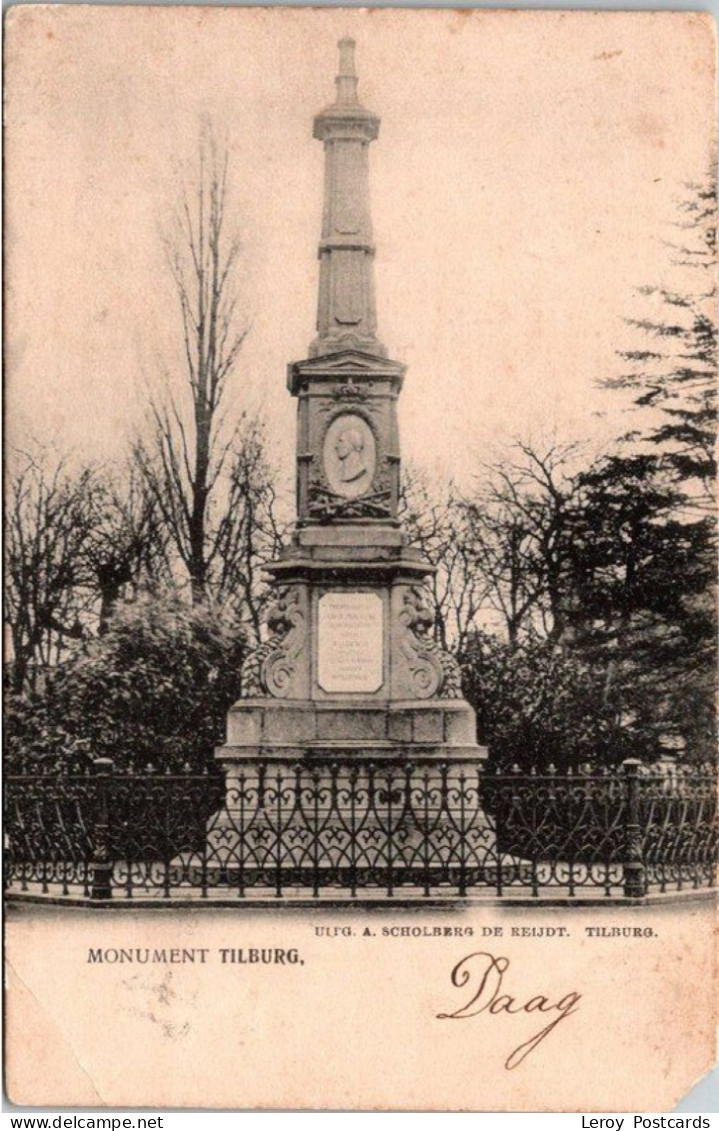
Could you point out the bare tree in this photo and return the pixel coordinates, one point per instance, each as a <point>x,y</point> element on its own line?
<point>75,538</point>
<point>48,518</point>
<point>246,533</point>
<point>519,524</point>
<point>126,546</point>
<point>206,469</point>
<point>186,455</point>
<point>436,523</point>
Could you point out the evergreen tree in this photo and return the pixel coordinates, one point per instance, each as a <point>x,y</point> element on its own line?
<point>673,367</point>
<point>641,607</point>
<point>642,538</point>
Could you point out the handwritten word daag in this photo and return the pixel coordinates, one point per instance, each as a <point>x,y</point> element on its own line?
<point>483,974</point>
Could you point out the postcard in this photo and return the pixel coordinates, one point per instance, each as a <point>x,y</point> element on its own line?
<point>360,558</point>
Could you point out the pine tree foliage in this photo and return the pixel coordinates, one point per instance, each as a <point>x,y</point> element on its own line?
<point>641,601</point>
<point>672,370</point>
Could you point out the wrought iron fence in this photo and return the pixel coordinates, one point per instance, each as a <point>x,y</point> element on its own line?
<point>399,829</point>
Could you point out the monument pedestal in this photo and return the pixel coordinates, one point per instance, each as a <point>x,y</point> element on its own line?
<point>352,762</point>
<point>352,623</point>
<point>351,666</point>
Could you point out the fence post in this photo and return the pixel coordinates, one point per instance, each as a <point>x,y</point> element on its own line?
<point>101,862</point>
<point>635,877</point>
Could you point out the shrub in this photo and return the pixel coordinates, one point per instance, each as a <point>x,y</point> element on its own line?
<point>154,688</point>
<point>537,704</point>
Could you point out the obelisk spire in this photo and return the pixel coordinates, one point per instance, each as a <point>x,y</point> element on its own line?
<point>346,314</point>
<point>346,81</point>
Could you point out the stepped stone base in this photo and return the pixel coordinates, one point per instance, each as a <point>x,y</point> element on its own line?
<point>370,729</point>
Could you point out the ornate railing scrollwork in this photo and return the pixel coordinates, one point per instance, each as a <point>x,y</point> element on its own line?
<point>411,828</point>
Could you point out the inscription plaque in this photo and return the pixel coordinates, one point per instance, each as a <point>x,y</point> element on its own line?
<point>350,642</point>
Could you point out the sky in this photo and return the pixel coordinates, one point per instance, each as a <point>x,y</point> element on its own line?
<point>523,185</point>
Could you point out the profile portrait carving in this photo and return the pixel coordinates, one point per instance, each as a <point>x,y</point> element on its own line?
<point>349,455</point>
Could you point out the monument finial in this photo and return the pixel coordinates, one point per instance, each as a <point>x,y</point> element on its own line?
<point>346,316</point>
<point>346,80</point>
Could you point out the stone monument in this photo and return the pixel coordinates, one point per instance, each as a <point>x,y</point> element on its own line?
<point>350,669</point>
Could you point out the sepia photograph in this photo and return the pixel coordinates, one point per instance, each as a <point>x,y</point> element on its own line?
<point>360,558</point>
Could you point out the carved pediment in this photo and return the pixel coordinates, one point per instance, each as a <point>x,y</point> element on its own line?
<point>341,366</point>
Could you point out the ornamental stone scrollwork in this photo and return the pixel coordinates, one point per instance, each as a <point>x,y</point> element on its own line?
<point>270,668</point>
<point>349,392</point>
<point>433,672</point>
<point>325,505</point>
<point>348,395</point>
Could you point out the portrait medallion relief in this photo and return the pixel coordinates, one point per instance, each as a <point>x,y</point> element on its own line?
<point>349,455</point>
